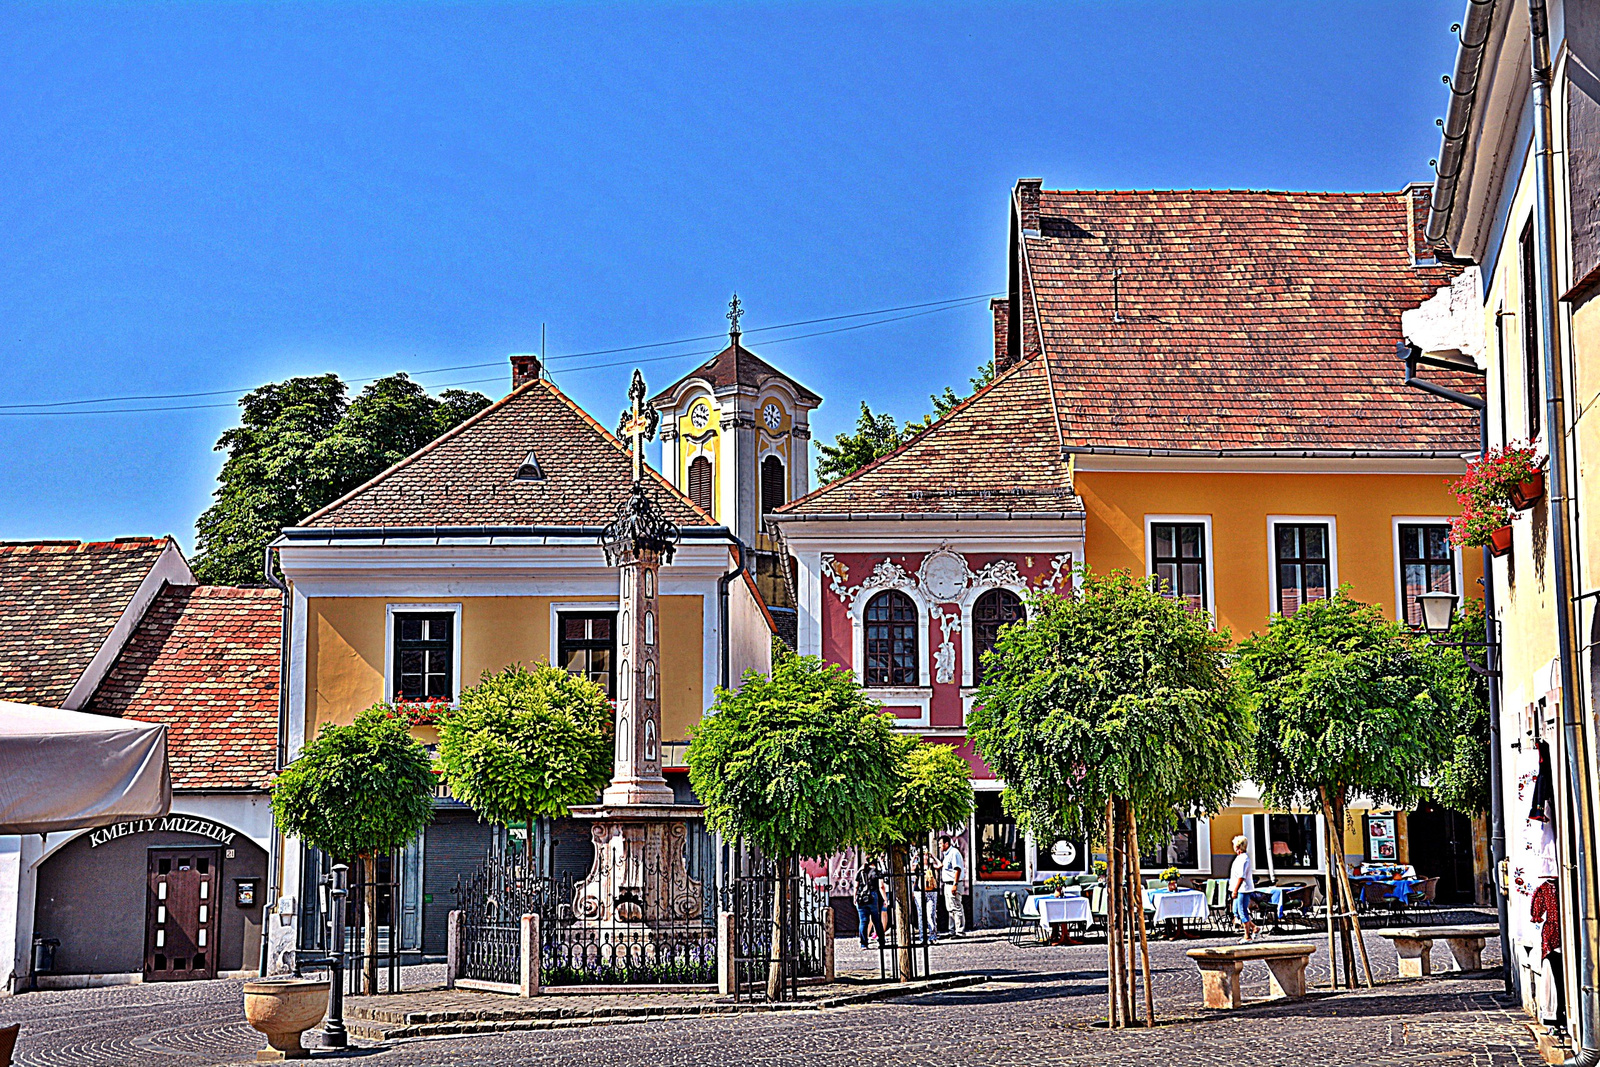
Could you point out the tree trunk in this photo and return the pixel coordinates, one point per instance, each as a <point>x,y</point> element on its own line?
<point>900,895</point>
<point>1113,977</point>
<point>1332,899</point>
<point>1124,916</point>
<point>780,946</point>
<point>1144,934</point>
<point>1338,814</point>
<point>369,929</point>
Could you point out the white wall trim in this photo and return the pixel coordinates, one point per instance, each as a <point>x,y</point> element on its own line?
<point>1273,522</point>
<point>389,612</point>
<point>1458,578</point>
<point>1210,550</point>
<point>919,697</point>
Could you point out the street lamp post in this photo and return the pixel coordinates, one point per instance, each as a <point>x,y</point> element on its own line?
<point>334,1034</point>
<point>1437,612</point>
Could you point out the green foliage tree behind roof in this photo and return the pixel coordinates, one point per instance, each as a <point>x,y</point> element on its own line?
<point>800,763</point>
<point>524,743</point>
<point>875,436</point>
<point>357,790</point>
<point>1461,781</point>
<point>1116,692</point>
<point>299,446</point>
<point>1345,700</point>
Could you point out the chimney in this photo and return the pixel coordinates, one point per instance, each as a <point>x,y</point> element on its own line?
<point>1001,309</point>
<point>1419,197</point>
<point>524,369</point>
<point>1028,204</point>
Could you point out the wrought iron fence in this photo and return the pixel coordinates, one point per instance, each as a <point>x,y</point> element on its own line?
<point>371,963</point>
<point>910,925</point>
<point>778,929</point>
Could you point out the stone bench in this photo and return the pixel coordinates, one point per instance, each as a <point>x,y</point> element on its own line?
<point>1220,967</point>
<point>1415,946</point>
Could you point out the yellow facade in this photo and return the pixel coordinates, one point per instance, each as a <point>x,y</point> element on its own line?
<point>346,643</point>
<point>703,440</point>
<point>1363,506</point>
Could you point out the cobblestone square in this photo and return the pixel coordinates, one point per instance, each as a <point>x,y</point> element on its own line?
<point>1038,1007</point>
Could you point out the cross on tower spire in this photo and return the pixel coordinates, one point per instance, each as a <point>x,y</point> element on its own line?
<point>735,313</point>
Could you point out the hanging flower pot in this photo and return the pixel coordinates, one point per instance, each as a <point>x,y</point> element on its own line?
<point>1500,541</point>
<point>1526,493</point>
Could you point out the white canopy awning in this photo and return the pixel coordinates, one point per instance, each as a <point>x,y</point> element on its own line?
<point>67,770</point>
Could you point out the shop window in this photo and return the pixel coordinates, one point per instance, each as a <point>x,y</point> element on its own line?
<point>891,640</point>
<point>424,655</point>
<point>1301,564</point>
<point>1295,844</point>
<point>1180,850</point>
<point>1427,565</point>
<point>994,609</point>
<point>1000,845</point>
<point>587,647</point>
<point>1178,560</point>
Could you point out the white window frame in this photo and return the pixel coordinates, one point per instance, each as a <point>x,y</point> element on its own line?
<point>1202,832</point>
<point>1274,521</point>
<point>1151,521</point>
<point>1260,862</point>
<point>969,600</point>
<point>390,611</point>
<point>1399,570</point>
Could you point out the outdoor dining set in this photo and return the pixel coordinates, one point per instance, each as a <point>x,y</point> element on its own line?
<point>1074,905</point>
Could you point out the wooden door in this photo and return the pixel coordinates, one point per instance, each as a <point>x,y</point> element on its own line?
<point>180,939</point>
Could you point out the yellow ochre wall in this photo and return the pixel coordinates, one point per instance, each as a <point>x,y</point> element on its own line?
<point>1363,505</point>
<point>345,651</point>
<point>711,449</point>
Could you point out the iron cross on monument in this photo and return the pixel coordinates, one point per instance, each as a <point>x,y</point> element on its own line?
<point>639,425</point>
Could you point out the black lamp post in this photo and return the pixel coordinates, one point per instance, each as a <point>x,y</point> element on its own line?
<point>1437,611</point>
<point>334,1034</point>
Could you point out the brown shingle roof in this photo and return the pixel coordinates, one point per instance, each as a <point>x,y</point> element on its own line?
<point>204,660</point>
<point>737,365</point>
<point>1249,320</point>
<point>467,476</point>
<point>997,452</point>
<point>60,600</point>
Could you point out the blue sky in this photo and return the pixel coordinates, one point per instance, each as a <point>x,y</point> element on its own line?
<point>205,197</point>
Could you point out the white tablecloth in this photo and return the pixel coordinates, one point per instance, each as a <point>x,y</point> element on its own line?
<point>1052,909</point>
<point>1184,904</point>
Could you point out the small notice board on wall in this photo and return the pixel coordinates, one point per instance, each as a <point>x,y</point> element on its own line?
<point>1383,845</point>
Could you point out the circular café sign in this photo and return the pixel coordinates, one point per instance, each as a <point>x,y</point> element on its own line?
<point>167,824</point>
<point>1063,852</point>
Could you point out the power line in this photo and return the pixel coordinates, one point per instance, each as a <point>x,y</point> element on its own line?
<point>83,406</point>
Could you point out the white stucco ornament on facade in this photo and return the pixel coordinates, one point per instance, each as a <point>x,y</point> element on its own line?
<point>944,660</point>
<point>944,575</point>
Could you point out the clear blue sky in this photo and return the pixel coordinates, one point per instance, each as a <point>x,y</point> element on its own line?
<point>212,196</point>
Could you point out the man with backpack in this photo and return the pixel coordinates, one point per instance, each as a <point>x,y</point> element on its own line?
<point>869,898</point>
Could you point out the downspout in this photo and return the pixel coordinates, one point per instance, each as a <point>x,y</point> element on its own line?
<point>722,607</point>
<point>273,854</point>
<point>1497,814</point>
<point>1580,867</point>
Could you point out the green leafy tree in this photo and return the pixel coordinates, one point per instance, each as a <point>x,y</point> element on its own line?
<point>799,763</point>
<point>875,436</point>
<point>1346,702</point>
<point>355,792</point>
<point>1461,781</point>
<point>299,446</point>
<point>527,743</point>
<point>933,792</point>
<point>945,402</point>
<point>1107,714</point>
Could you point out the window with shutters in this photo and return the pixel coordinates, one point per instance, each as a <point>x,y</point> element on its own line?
<point>891,640</point>
<point>772,487</point>
<point>994,609</point>
<point>1532,370</point>
<point>700,482</point>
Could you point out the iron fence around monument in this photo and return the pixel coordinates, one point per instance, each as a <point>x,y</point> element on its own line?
<point>772,957</point>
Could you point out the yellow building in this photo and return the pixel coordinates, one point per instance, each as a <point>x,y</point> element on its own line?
<point>1200,386</point>
<point>477,552</point>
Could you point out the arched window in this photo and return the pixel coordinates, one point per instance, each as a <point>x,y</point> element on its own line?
<point>891,640</point>
<point>994,609</point>
<point>700,482</point>
<point>773,492</point>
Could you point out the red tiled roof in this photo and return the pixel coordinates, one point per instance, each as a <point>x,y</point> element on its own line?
<point>60,600</point>
<point>204,660</point>
<point>1234,320</point>
<point>468,476</point>
<point>997,452</point>
<point>737,365</point>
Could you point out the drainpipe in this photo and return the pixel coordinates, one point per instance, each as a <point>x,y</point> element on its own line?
<point>1491,658</point>
<point>722,607</point>
<point>273,858</point>
<point>1579,870</point>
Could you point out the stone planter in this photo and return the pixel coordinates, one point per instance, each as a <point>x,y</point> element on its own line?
<point>283,1009</point>
<point>1500,542</point>
<point>1527,493</point>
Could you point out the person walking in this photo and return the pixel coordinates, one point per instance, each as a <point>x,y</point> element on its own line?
<point>1242,886</point>
<point>869,899</point>
<point>928,883</point>
<point>952,872</point>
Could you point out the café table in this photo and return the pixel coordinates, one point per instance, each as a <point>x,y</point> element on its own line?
<point>1052,911</point>
<point>1174,906</point>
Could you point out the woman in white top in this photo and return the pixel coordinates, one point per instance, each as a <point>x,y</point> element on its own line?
<point>1242,885</point>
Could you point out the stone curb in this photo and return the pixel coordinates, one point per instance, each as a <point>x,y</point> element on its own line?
<point>371,1025</point>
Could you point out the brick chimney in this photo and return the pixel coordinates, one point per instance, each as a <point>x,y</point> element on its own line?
<point>1001,309</point>
<point>1028,204</point>
<point>524,369</point>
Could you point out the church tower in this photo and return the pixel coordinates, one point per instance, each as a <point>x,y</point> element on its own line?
<point>736,437</point>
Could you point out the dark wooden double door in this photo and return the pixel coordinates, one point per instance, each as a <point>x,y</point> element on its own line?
<point>180,939</point>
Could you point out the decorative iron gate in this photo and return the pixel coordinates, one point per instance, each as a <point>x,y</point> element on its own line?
<point>396,896</point>
<point>765,891</point>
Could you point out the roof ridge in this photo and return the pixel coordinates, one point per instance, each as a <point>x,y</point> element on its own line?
<point>1231,192</point>
<point>128,543</point>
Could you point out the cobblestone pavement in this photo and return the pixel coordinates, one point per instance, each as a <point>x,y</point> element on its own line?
<point>1038,1009</point>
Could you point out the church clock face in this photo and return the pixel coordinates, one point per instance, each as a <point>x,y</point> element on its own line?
<point>699,416</point>
<point>772,416</point>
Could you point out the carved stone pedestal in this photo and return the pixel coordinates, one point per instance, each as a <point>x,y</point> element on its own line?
<point>640,875</point>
